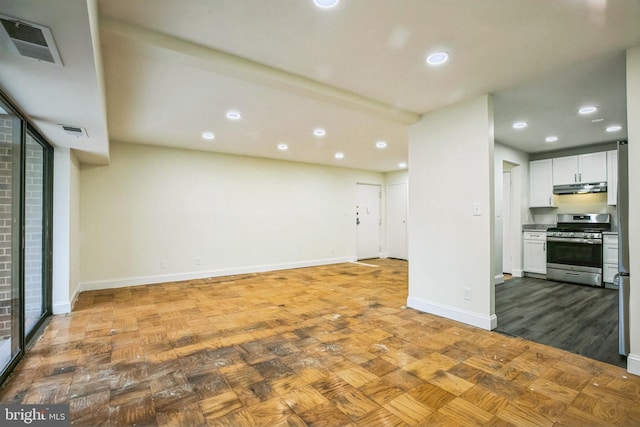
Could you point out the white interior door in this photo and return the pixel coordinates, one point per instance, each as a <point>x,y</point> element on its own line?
<point>397,220</point>
<point>368,221</point>
<point>506,222</point>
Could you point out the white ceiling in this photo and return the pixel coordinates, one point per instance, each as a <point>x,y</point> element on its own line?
<point>163,71</point>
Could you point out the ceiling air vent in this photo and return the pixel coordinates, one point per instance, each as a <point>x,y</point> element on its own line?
<point>76,131</point>
<point>29,39</point>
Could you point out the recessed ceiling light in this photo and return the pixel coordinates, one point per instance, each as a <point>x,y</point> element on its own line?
<point>551,138</point>
<point>339,155</point>
<point>319,132</point>
<point>520,125</point>
<point>597,120</point>
<point>233,115</point>
<point>402,165</point>
<point>614,128</point>
<point>283,147</point>
<point>208,135</point>
<point>437,58</point>
<point>381,144</point>
<point>588,109</point>
<point>326,4</point>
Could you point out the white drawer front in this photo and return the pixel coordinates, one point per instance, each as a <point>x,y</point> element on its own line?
<point>535,235</point>
<point>610,249</point>
<point>608,271</point>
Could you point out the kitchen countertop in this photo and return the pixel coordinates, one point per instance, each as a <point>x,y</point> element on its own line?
<point>536,227</point>
<point>545,227</point>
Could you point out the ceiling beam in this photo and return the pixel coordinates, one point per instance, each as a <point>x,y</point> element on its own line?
<point>246,69</point>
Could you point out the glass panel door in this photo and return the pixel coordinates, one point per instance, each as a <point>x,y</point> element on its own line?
<point>34,234</point>
<point>26,188</point>
<point>10,154</point>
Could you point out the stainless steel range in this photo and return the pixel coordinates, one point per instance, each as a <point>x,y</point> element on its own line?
<point>574,248</point>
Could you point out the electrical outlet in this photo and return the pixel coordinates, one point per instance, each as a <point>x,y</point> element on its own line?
<point>163,263</point>
<point>197,260</point>
<point>467,294</point>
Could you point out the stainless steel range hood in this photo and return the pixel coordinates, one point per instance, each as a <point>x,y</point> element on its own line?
<point>593,187</point>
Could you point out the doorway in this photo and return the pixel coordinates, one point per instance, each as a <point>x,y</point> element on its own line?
<point>368,221</point>
<point>506,221</point>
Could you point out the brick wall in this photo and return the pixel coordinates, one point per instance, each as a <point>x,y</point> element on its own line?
<point>33,233</point>
<point>6,177</point>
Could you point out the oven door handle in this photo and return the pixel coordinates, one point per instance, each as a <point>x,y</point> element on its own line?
<point>574,240</point>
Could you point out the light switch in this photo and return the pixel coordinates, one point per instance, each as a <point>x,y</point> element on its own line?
<point>476,209</point>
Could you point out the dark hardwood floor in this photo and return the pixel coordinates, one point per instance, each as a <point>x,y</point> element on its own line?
<point>580,319</point>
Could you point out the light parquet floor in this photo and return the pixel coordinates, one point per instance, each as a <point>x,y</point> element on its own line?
<point>322,346</point>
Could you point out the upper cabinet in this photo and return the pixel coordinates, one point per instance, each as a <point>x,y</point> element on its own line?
<point>592,167</point>
<point>583,168</point>
<point>612,177</point>
<point>541,183</point>
<point>565,170</point>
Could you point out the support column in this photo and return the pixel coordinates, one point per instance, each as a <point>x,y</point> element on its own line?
<point>451,213</point>
<point>633,123</point>
<point>65,230</point>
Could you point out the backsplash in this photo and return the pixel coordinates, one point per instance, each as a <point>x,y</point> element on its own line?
<point>578,204</point>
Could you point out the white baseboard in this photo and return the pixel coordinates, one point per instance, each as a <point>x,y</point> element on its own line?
<point>62,307</point>
<point>454,313</point>
<point>176,277</point>
<point>633,364</point>
<point>516,272</point>
<point>498,278</point>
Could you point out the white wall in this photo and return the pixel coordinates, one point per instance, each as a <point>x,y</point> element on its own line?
<point>450,249</point>
<point>633,123</point>
<point>397,177</point>
<point>66,230</point>
<point>519,204</point>
<point>74,229</point>
<point>159,214</point>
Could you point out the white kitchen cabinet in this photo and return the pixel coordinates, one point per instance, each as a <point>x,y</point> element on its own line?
<point>583,168</point>
<point>565,170</point>
<point>541,183</point>
<point>535,252</point>
<point>592,167</point>
<point>608,272</point>
<point>609,257</point>
<point>612,177</point>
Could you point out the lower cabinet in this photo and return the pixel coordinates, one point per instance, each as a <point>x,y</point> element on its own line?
<point>535,252</point>
<point>609,257</point>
